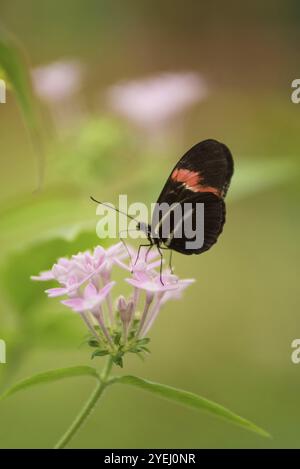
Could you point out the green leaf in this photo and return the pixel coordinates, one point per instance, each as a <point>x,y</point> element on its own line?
<point>135,349</point>
<point>49,377</point>
<point>191,400</point>
<point>99,353</point>
<point>144,341</point>
<point>118,359</point>
<point>15,69</point>
<point>93,342</point>
<point>117,338</point>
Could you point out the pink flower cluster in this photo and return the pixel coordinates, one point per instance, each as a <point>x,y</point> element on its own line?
<point>85,280</point>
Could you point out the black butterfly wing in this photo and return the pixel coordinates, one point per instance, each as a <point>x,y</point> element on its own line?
<point>206,167</point>
<point>214,219</point>
<point>202,175</point>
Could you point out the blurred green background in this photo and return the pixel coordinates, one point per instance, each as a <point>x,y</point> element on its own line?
<point>230,338</point>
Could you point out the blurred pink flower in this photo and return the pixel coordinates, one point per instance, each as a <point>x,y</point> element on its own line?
<point>59,85</point>
<point>152,101</point>
<point>58,81</point>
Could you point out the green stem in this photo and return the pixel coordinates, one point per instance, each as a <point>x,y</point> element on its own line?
<point>87,408</point>
<point>106,370</point>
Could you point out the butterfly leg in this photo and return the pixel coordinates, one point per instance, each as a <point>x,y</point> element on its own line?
<point>126,247</point>
<point>161,264</point>
<point>148,250</point>
<point>124,244</point>
<point>170,262</point>
<point>139,250</point>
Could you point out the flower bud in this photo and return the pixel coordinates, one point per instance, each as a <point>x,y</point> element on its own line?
<point>126,313</point>
<point>121,304</point>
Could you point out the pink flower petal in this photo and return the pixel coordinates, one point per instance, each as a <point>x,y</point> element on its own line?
<point>90,291</point>
<point>155,286</point>
<point>43,276</point>
<point>105,290</point>
<point>77,304</point>
<point>54,292</point>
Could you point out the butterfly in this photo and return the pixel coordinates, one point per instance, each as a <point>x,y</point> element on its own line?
<point>201,178</point>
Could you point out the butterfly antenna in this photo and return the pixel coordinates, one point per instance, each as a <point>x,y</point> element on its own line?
<point>113,208</point>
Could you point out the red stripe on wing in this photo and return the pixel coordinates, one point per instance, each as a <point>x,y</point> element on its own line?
<point>191,180</point>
